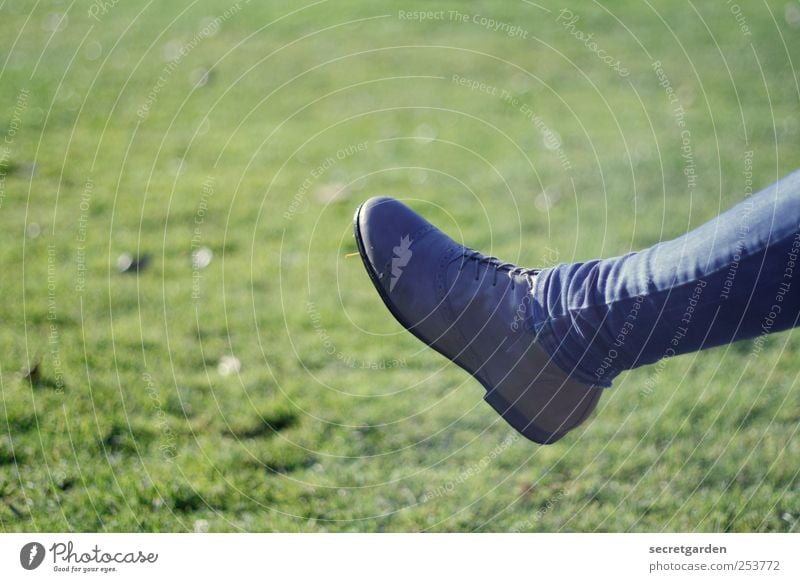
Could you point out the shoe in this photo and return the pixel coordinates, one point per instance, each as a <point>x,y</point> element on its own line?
<point>475,311</point>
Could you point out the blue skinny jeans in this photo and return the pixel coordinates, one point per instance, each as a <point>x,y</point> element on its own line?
<point>735,277</point>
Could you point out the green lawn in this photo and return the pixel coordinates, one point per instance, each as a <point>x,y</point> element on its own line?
<point>254,129</point>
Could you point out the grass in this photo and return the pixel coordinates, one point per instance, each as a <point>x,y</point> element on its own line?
<point>257,142</point>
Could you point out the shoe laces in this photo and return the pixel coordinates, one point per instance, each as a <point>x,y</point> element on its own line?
<point>509,268</point>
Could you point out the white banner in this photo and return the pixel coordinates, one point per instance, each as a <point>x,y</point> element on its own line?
<point>401,557</point>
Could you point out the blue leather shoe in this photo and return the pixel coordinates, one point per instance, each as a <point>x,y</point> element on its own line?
<point>466,306</point>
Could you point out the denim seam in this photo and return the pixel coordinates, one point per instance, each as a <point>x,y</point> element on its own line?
<point>546,322</point>
<point>578,372</point>
<point>693,281</point>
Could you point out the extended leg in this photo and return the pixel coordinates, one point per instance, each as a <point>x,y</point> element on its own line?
<point>733,278</point>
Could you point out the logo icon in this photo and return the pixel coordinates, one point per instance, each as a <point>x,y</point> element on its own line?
<point>402,255</point>
<point>31,555</point>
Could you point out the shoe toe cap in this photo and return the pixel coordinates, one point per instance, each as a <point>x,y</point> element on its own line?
<point>387,228</point>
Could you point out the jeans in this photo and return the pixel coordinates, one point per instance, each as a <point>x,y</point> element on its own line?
<point>735,277</point>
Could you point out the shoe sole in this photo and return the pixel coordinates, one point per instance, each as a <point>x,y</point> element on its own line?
<point>492,397</point>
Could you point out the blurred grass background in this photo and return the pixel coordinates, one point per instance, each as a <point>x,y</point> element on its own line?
<point>253,130</point>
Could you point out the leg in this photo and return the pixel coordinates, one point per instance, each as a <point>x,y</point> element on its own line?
<point>732,278</point>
